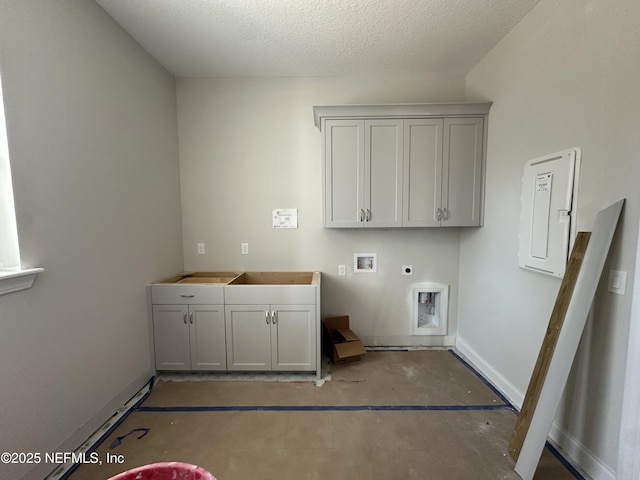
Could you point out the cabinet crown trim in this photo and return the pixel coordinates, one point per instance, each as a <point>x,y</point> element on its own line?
<point>399,110</point>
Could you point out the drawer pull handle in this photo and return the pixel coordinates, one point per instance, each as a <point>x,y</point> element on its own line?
<point>187,295</point>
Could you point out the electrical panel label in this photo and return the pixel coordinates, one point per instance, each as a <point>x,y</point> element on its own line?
<point>543,182</point>
<point>285,218</point>
<point>541,214</point>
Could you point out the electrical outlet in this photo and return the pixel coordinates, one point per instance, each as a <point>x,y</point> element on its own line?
<point>342,270</point>
<point>407,269</point>
<point>244,248</point>
<point>201,249</point>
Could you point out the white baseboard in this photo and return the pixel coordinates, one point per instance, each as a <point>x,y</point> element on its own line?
<point>573,450</point>
<point>515,396</point>
<point>85,431</point>
<point>579,455</point>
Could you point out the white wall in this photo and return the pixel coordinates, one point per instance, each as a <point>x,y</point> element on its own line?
<point>567,76</point>
<point>93,143</point>
<point>628,459</point>
<point>248,146</point>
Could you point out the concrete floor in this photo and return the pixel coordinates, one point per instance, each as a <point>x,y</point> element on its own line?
<point>394,415</point>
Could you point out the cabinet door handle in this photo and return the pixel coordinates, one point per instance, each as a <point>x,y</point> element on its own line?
<point>266,316</point>
<point>368,216</point>
<point>274,317</point>
<point>445,214</point>
<point>184,317</point>
<point>361,215</point>
<point>439,214</point>
<point>187,295</point>
<point>191,318</point>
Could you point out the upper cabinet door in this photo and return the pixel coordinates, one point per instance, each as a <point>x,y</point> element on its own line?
<point>383,173</point>
<point>462,172</point>
<point>344,173</point>
<point>422,172</point>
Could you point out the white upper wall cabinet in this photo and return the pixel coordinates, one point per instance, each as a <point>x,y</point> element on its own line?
<point>414,165</point>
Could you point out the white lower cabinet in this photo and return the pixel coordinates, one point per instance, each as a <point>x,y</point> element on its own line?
<point>271,337</point>
<point>189,337</point>
<point>258,323</point>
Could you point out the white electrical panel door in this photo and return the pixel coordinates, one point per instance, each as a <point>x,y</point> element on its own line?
<point>549,195</point>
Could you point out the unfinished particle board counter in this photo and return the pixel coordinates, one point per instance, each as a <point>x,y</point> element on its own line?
<point>273,287</point>
<point>250,321</point>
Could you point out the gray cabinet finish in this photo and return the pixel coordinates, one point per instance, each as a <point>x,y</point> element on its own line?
<point>271,337</point>
<point>189,337</point>
<point>403,165</point>
<point>247,327</point>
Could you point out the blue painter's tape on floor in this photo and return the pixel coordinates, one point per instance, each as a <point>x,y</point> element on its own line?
<point>483,380</point>
<point>550,447</point>
<point>506,405</point>
<point>113,427</point>
<point>321,408</point>
<point>564,462</point>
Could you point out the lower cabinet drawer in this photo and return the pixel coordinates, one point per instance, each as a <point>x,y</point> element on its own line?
<point>172,294</point>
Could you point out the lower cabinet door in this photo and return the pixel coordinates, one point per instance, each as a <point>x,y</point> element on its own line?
<point>171,337</point>
<point>207,337</point>
<point>293,337</point>
<point>248,330</point>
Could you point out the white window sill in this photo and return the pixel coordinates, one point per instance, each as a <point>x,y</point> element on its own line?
<point>16,280</point>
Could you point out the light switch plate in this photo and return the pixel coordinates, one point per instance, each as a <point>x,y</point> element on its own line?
<point>244,248</point>
<point>201,249</point>
<point>617,282</point>
<point>342,270</point>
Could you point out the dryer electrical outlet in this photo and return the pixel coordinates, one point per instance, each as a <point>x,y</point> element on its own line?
<point>547,220</point>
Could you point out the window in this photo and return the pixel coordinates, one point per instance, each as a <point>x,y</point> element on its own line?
<point>9,250</point>
<point>12,276</point>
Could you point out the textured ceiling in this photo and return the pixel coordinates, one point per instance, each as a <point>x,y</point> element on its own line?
<point>273,38</point>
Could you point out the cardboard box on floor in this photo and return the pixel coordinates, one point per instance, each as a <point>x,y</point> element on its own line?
<point>340,344</point>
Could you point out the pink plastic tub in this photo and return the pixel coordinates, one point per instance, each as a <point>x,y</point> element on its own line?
<point>165,471</point>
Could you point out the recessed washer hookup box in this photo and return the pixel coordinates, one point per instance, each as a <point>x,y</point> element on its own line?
<point>340,344</point>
